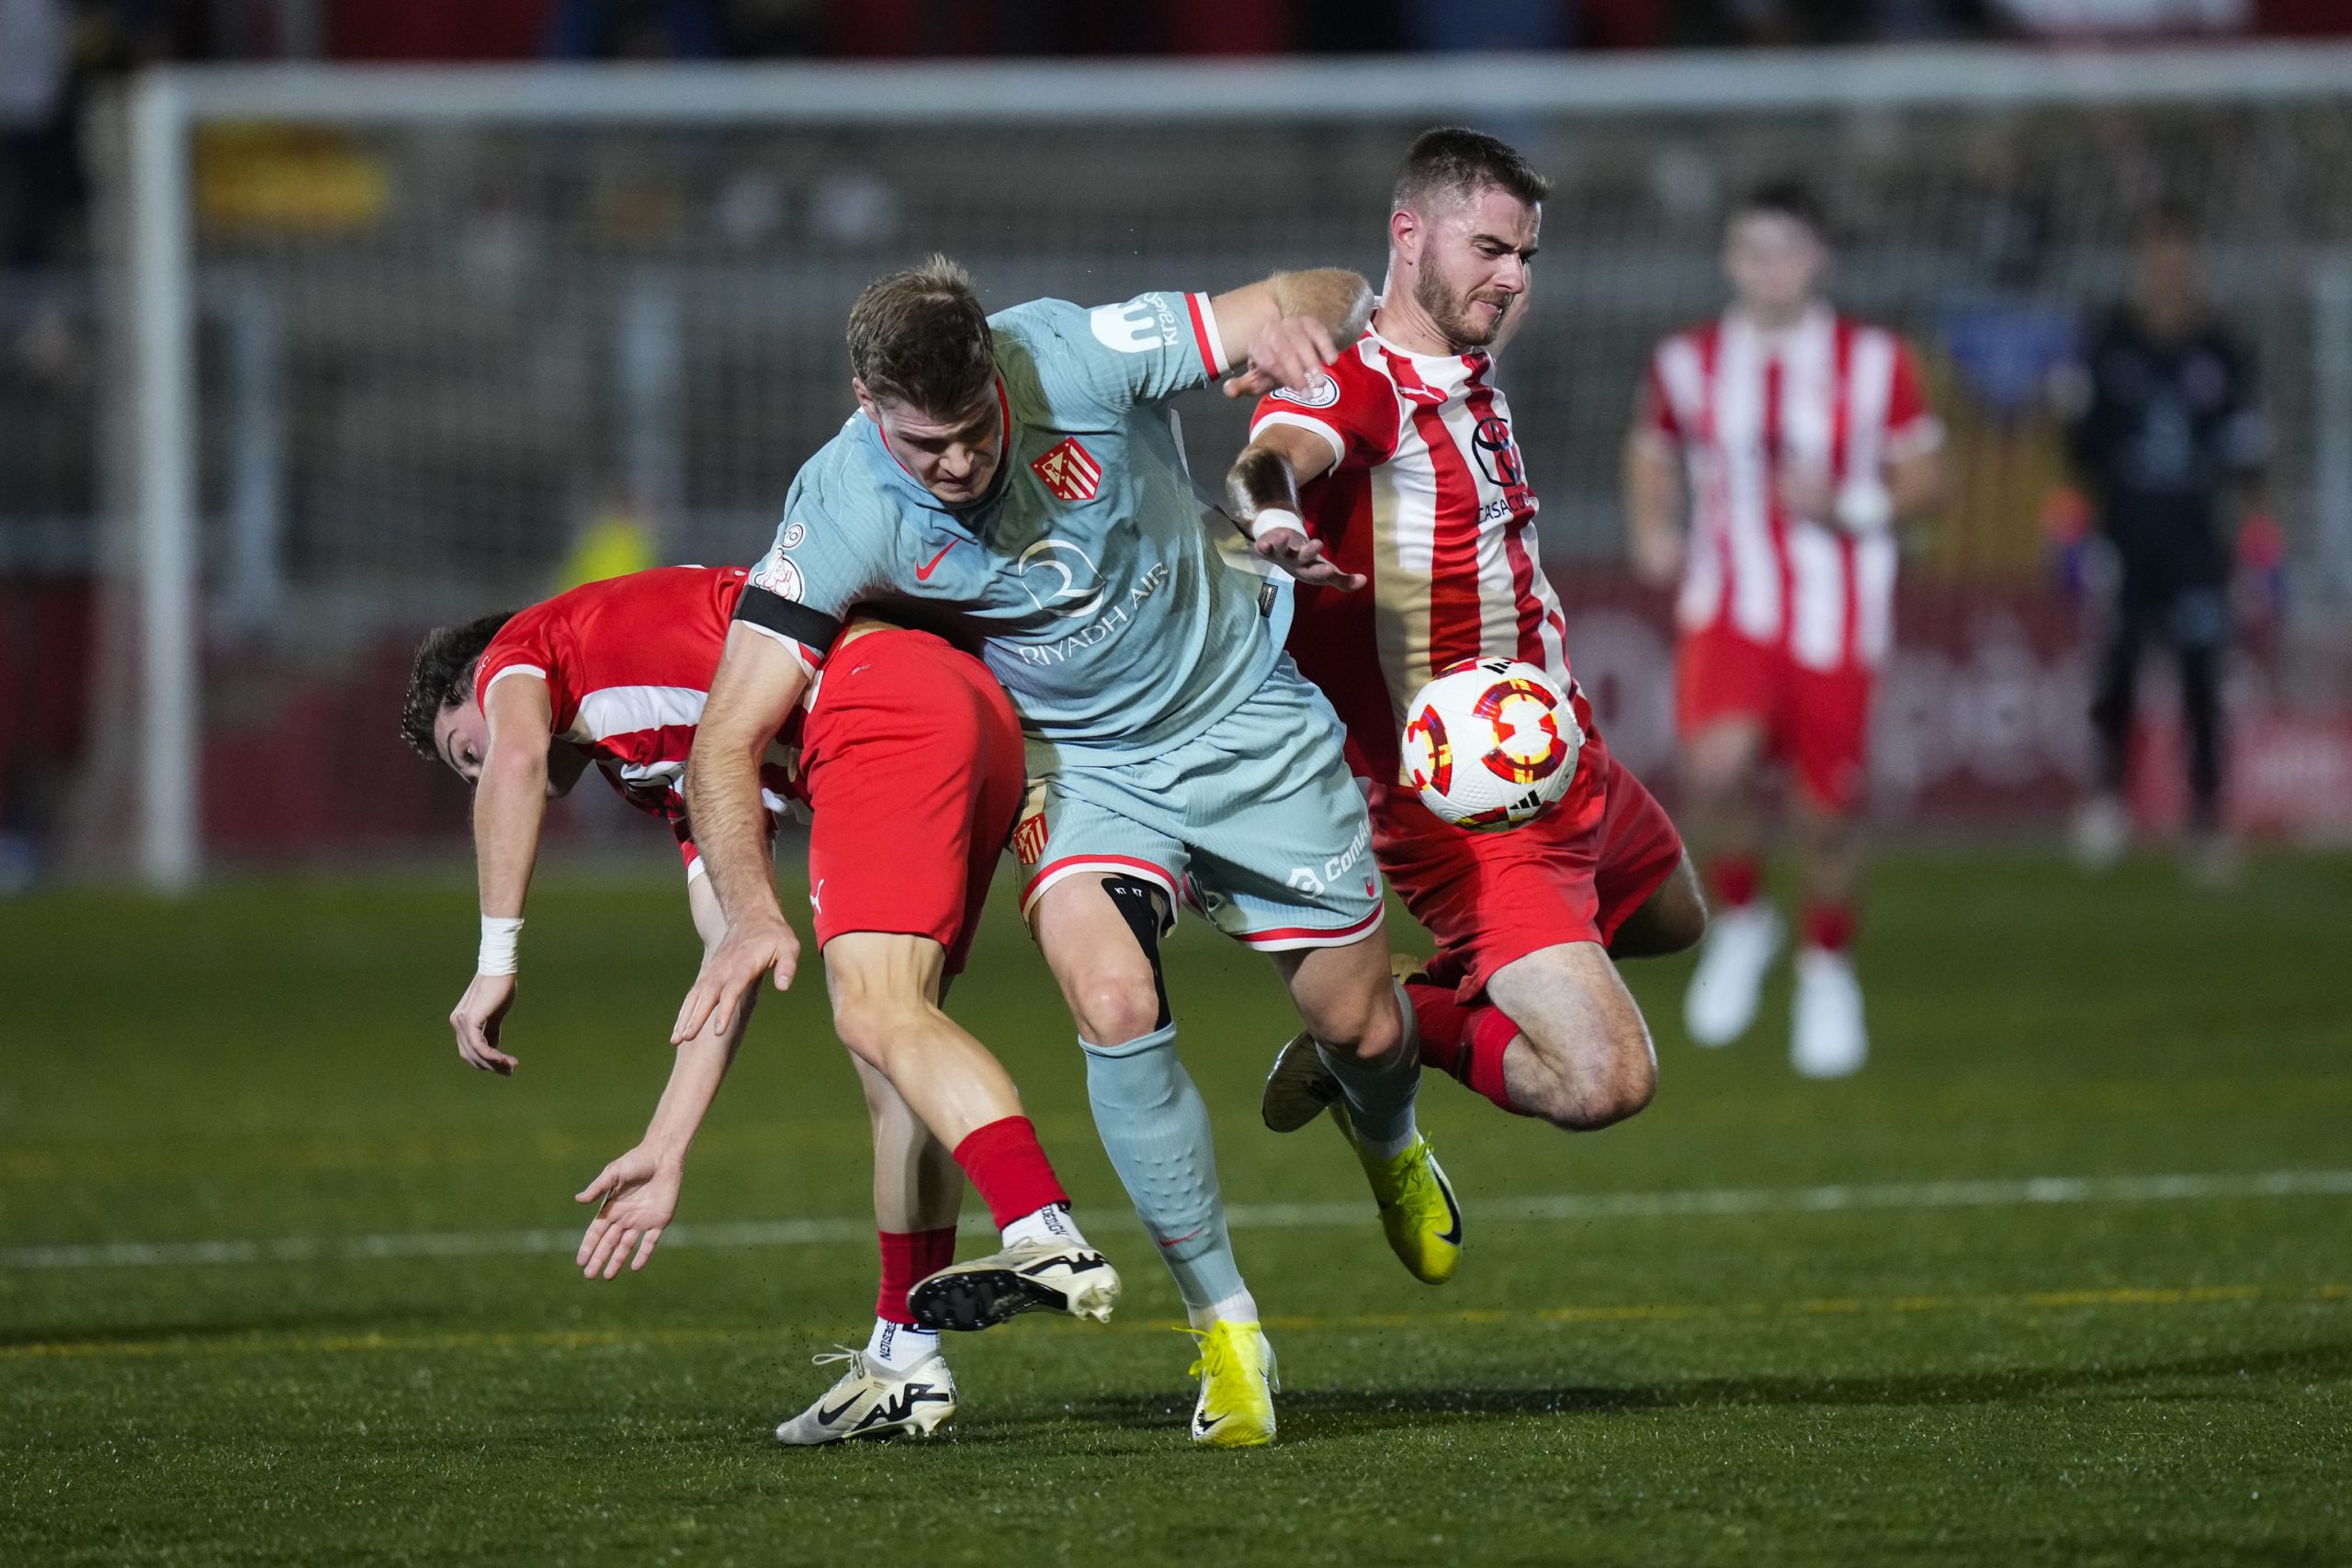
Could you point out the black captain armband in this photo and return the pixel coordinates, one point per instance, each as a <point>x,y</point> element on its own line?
<point>786,617</point>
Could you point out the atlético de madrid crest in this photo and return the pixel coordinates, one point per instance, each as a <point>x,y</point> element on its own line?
<point>1069,471</point>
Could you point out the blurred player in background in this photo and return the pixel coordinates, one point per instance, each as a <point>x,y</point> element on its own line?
<point>911,765</point>
<point>1794,439</point>
<point>1398,468</point>
<point>1018,475</point>
<point>2168,442</point>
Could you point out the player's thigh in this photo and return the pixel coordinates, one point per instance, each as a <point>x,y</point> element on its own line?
<point>1573,1006</point>
<point>1344,995</point>
<point>1725,697</point>
<point>1828,745</point>
<point>1101,937</point>
<point>903,756</point>
<point>1280,837</point>
<point>1101,867</point>
<point>1490,898</point>
<point>1647,894</point>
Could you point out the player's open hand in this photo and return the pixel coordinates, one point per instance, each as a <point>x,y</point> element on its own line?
<point>1290,350</point>
<point>1303,558</point>
<point>752,948</point>
<point>479,1015</point>
<point>638,1194</point>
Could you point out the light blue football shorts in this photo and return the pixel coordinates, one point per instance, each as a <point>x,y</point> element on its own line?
<point>1255,822</point>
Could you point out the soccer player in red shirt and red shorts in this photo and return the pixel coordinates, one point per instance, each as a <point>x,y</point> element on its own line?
<point>1801,436</point>
<point>1396,488</point>
<point>909,761</point>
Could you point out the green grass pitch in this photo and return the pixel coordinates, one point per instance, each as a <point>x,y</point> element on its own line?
<point>376,1367</point>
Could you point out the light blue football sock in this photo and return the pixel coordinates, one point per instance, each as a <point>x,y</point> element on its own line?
<point>1155,1127</point>
<point>1380,1097</point>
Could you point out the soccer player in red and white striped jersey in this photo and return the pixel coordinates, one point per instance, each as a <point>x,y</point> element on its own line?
<point>909,761</point>
<point>1395,490</point>
<point>1795,438</point>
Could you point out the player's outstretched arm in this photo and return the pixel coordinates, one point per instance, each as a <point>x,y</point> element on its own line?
<point>637,1195</point>
<point>509,804</point>
<point>1653,507</point>
<point>1293,324</point>
<point>758,681</point>
<point>1261,490</point>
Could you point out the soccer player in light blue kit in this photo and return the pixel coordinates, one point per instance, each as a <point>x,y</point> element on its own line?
<point>1015,480</point>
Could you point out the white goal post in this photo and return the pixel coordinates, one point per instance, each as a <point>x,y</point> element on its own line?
<point>1685,117</point>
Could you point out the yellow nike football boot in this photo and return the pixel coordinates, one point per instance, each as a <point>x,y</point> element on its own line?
<point>1236,1409</point>
<point>1416,1206</point>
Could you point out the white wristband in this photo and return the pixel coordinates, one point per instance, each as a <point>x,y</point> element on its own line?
<point>499,935</point>
<point>1273,517</point>
<point>1864,507</point>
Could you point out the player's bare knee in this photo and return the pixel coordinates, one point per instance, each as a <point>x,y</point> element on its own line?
<point>873,1027</point>
<point>1114,1008</point>
<point>1373,1034</point>
<point>1595,1084</point>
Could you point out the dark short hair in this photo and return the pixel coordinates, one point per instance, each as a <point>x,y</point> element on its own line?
<point>442,676</point>
<point>1784,199</point>
<point>920,337</point>
<point>1457,161</point>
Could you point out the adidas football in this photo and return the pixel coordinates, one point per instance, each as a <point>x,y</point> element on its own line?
<point>1490,742</point>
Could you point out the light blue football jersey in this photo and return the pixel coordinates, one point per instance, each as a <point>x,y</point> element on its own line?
<point>1121,611</point>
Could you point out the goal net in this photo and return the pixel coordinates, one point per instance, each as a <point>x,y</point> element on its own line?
<point>396,347</point>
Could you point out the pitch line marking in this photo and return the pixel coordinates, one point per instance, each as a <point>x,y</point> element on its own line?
<point>1670,1312</point>
<point>1554,1208</point>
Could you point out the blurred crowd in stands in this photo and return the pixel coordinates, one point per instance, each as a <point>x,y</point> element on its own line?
<point>50,48</point>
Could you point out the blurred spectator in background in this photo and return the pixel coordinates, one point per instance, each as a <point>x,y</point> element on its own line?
<point>2168,443</point>
<point>37,166</point>
<point>633,29</point>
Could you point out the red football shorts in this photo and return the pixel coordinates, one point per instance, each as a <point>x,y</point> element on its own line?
<point>1815,721</point>
<point>1573,874</point>
<point>914,769</point>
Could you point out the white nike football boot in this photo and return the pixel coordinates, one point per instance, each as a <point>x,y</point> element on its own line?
<point>1052,1276</point>
<point>1738,949</point>
<point>873,1401</point>
<point>1828,1039</point>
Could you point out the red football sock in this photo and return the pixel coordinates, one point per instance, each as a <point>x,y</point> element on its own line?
<point>1467,1043</point>
<point>1009,1170</point>
<point>1444,1022</point>
<point>1735,879</point>
<point>1829,927</point>
<point>908,1259</point>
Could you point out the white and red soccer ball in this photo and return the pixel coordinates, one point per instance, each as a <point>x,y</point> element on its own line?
<point>1490,742</point>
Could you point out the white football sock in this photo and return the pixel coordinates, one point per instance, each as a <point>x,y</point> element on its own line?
<point>1051,1225</point>
<point>898,1346</point>
<point>1238,1308</point>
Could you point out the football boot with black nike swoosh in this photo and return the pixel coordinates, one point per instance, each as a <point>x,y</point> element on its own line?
<point>1236,1409</point>
<point>1037,1276</point>
<point>875,1401</point>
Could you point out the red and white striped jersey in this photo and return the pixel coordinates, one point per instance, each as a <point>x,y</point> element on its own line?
<point>627,663</point>
<point>1831,396</point>
<point>1430,499</point>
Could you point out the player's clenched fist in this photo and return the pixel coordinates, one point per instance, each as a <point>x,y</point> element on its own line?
<point>1289,351</point>
<point>753,947</point>
<point>479,1015</point>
